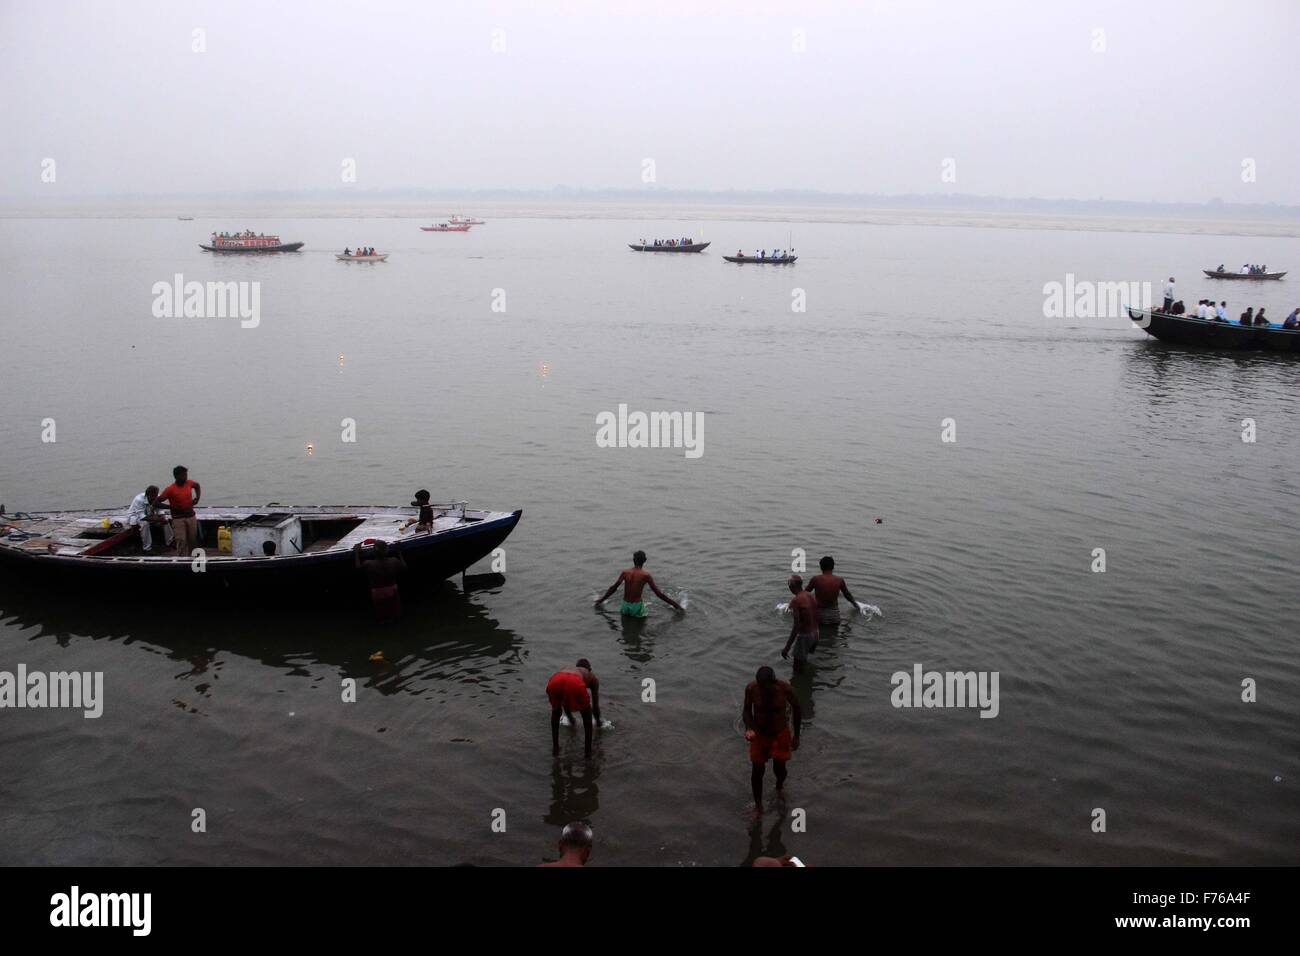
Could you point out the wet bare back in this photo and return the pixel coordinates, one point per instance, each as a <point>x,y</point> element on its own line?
<point>768,706</point>
<point>634,583</point>
<point>804,609</point>
<point>827,587</point>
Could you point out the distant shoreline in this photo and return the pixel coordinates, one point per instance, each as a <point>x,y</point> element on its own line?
<point>233,213</point>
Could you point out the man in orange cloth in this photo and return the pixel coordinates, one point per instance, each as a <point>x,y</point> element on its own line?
<point>767,730</point>
<point>567,692</point>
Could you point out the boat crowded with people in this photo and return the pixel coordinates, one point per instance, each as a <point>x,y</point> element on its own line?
<point>1217,333</point>
<point>361,255</point>
<point>668,245</point>
<point>292,550</point>
<point>447,227</point>
<point>248,241</point>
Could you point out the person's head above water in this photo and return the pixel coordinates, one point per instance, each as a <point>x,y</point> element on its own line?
<point>765,675</point>
<point>381,549</point>
<point>576,838</point>
<point>796,584</point>
<point>827,564</point>
<point>583,662</point>
<point>638,558</point>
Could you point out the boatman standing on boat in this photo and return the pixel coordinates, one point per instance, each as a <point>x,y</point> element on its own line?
<point>567,692</point>
<point>827,587</point>
<point>144,512</point>
<point>767,729</point>
<point>182,495</point>
<point>381,573</point>
<point>635,580</point>
<point>1169,294</point>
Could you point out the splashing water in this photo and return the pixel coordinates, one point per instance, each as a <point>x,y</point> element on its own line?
<point>866,610</point>
<point>783,608</point>
<point>683,599</point>
<point>607,725</point>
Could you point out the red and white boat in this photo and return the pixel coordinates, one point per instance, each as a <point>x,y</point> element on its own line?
<point>447,227</point>
<point>248,241</point>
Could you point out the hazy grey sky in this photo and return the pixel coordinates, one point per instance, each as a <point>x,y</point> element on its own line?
<point>716,93</point>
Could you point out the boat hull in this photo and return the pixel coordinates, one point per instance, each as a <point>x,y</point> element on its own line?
<point>693,247</point>
<point>444,228</point>
<point>430,558</point>
<point>1258,277</point>
<point>1203,333</point>
<point>282,247</point>
<point>361,258</point>
<point>781,261</point>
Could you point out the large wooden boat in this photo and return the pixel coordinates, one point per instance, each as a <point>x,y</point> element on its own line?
<point>295,551</point>
<point>765,260</point>
<point>248,242</point>
<point>1249,276</point>
<point>447,227</point>
<point>1207,333</point>
<point>680,247</point>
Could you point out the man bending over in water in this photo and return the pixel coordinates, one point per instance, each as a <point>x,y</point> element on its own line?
<point>803,631</point>
<point>767,731</point>
<point>567,692</point>
<point>828,586</point>
<point>635,580</point>
<point>381,573</point>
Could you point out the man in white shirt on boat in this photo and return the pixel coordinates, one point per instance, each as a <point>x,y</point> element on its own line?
<point>1202,310</point>
<point>1221,312</point>
<point>143,513</point>
<point>1169,294</point>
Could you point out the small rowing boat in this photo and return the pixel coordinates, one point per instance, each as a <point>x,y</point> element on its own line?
<point>447,227</point>
<point>376,258</point>
<point>1252,276</point>
<point>680,247</point>
<point>293,551</point>
<point>1210,334</point>
<point>765,260</point>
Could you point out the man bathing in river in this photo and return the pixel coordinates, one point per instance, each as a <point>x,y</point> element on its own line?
<point>767,730</point>
<point>575,845</point>
<point>828,587</point>
<point>635,580</point>
<point>567,692</point>
<point>803,630</point>
<point>381,573</point>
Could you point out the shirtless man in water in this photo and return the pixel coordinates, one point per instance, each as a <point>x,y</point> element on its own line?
<point>567,690</point>
<point>635,580</point>
<point>381,574</point>
<point>767,731</point>
<point>827,587</point>
<point>803,631</point>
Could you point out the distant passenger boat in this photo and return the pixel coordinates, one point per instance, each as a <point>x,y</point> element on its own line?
<point>462,221</point>
<point>447,227</point>
<point>185,218</point>
<point>250,243</point>
<point>1254,276</point>
<point>291,552</point>
<point>1205,333</point>
<point>376,258</point>
<point>680,247</point>
<point>766,260</point>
